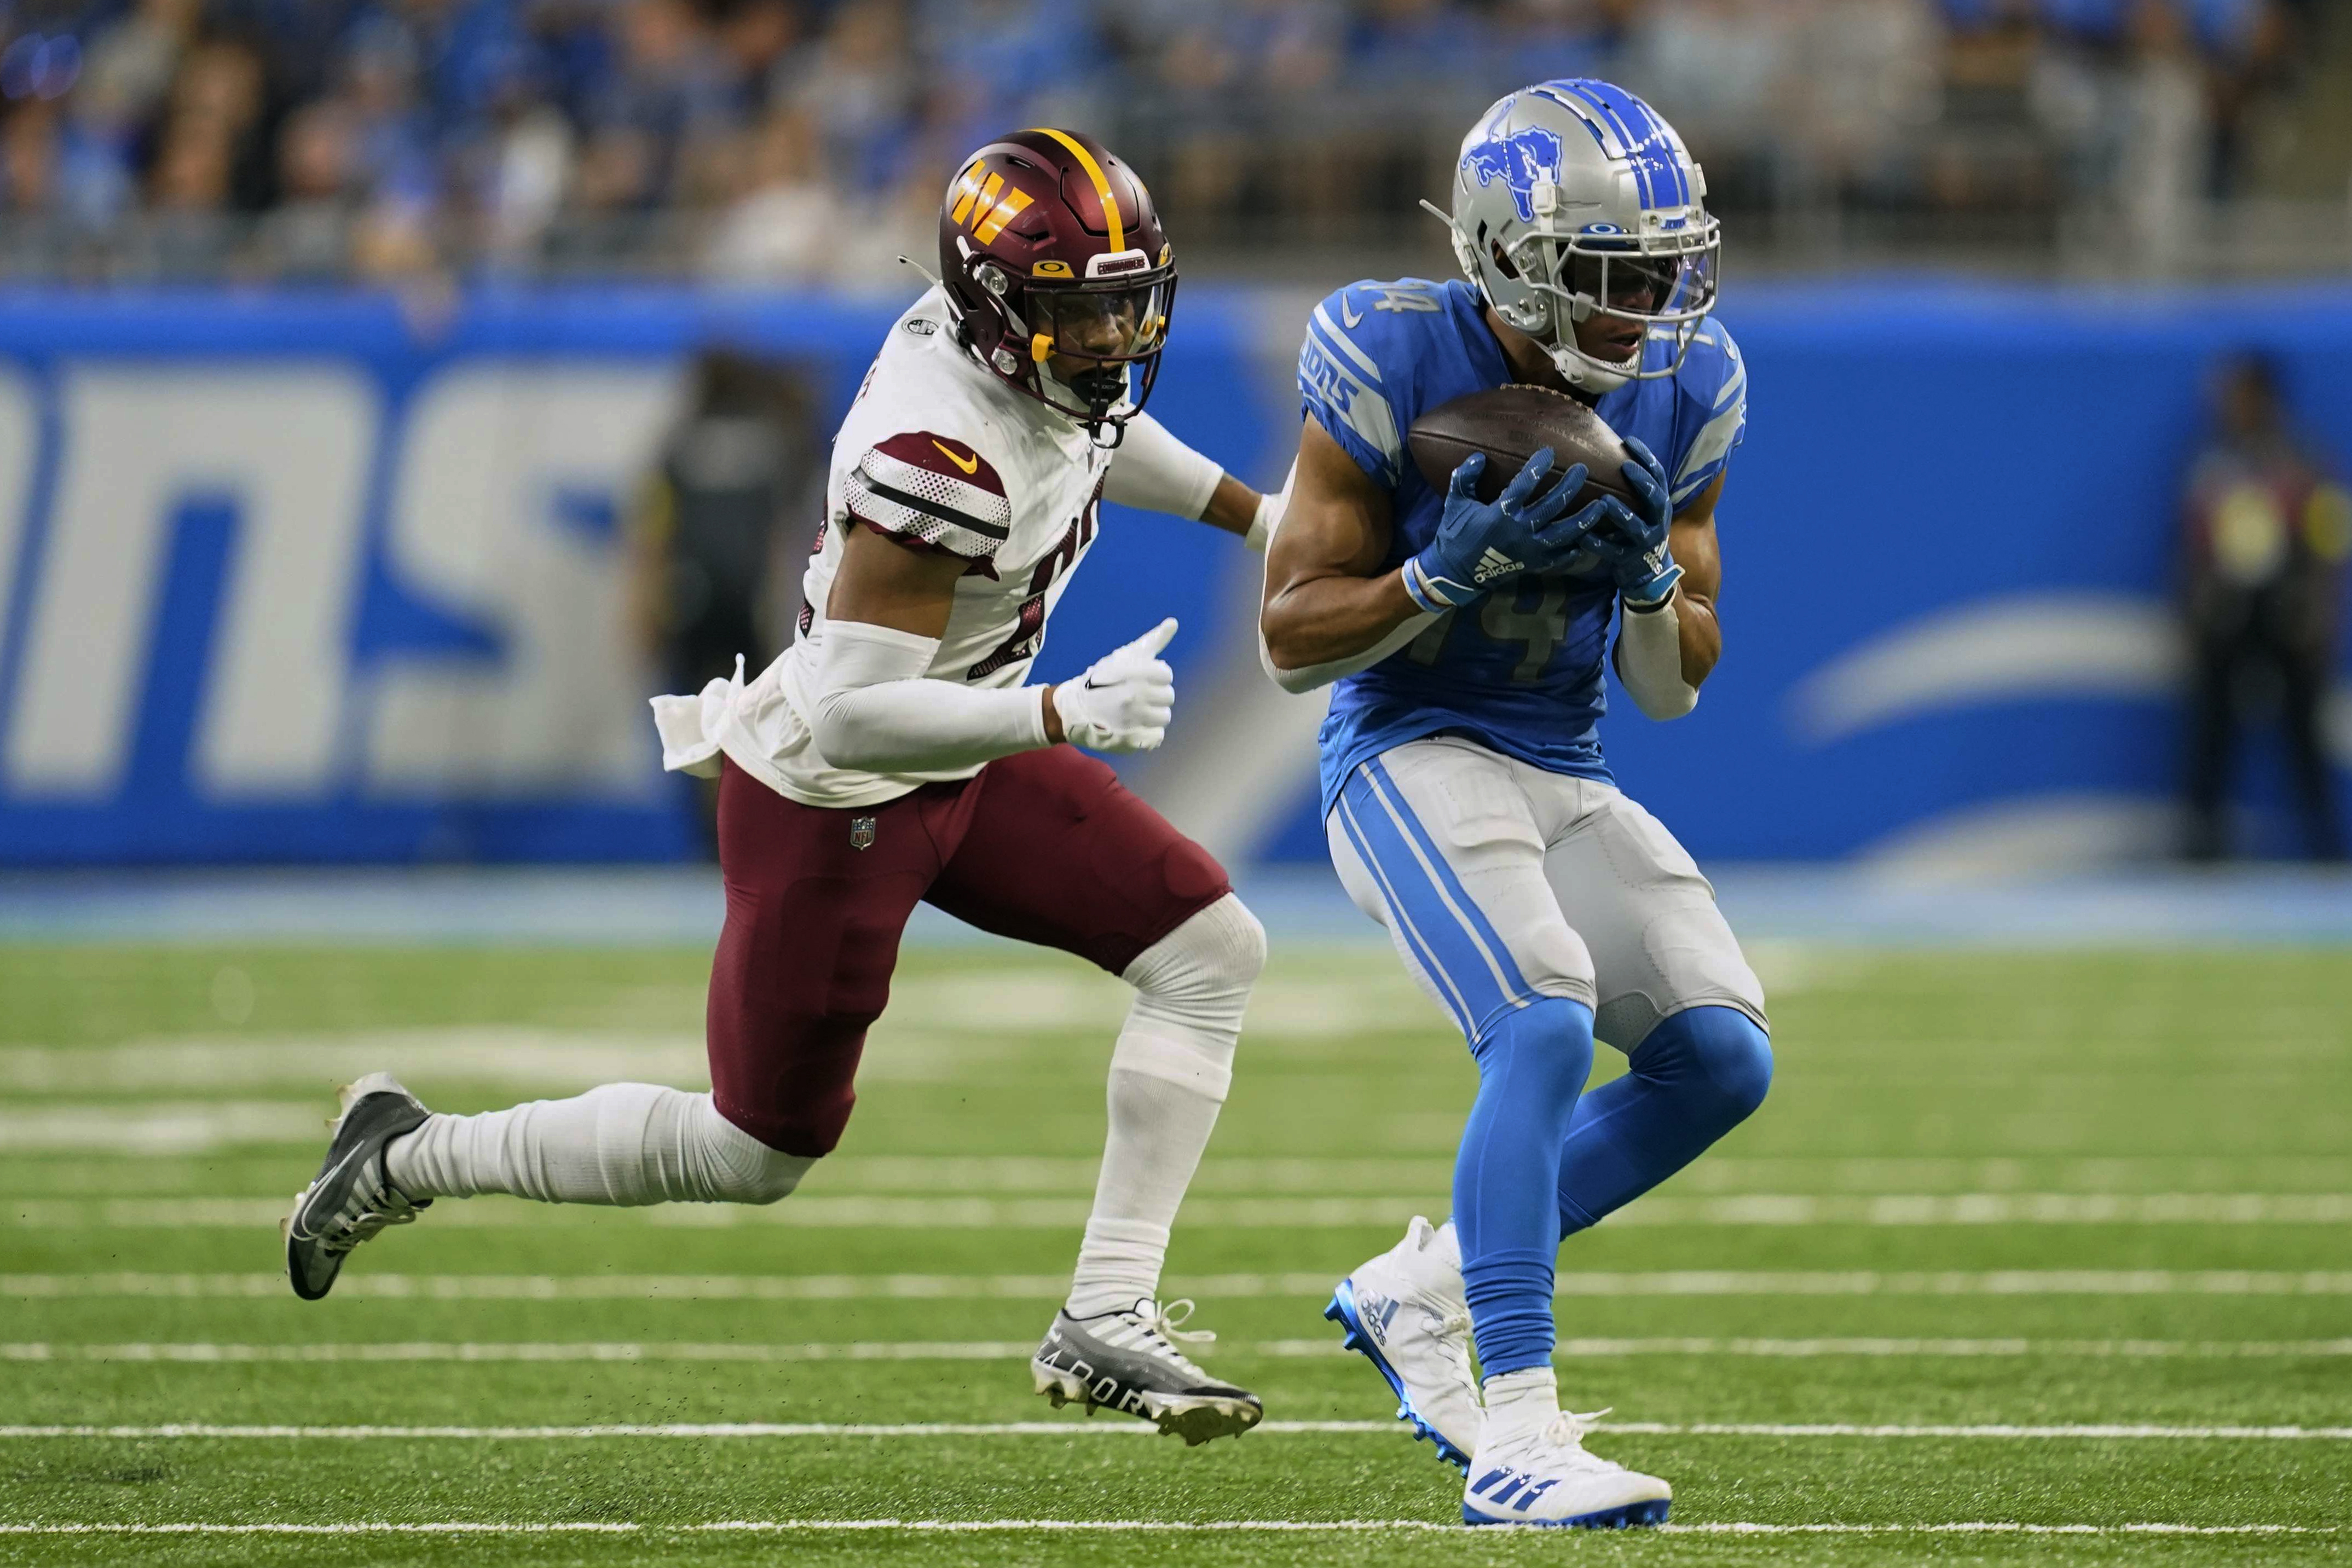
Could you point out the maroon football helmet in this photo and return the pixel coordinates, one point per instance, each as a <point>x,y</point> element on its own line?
<point>1050,246</point>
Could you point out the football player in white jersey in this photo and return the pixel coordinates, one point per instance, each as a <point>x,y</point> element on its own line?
<point>894,754</point>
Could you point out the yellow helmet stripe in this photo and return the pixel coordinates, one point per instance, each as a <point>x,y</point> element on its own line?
<point>1102,184</point>
<point>992,223</point>
<point>966,191</point>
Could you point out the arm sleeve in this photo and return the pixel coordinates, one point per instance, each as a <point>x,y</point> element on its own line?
<point>875,708</point>
<point>1153,470</point>
<point>1340,387</point>
<point>1649,657</point>
<point>931,492</point>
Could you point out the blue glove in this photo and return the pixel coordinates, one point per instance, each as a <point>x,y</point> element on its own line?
<point>1634,542</point>
<point>1480,543</point>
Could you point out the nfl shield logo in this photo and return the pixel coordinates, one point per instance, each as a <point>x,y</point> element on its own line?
<point>861,832</point>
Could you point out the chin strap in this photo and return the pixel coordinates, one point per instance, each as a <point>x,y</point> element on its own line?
<point>1581,371</point>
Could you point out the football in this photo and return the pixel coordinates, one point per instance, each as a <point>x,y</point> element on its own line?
<point>1509,424</point>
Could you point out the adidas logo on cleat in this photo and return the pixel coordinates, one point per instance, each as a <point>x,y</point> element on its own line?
<point>1377,1312</point>
<point>1513,1488</point>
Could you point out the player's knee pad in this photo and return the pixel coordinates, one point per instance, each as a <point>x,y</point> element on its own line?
<point>1209,963</point>
<point>733,1167</point>
<point>1192,987</point>
<point>655,1144</point>
<point>1719,1058</point>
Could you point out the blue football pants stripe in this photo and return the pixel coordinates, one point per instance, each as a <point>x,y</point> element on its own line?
<point>1468,962</point>
<point>1404,925</point>
<point>1383,781</point>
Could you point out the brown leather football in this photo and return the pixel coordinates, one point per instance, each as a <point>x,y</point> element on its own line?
<point>1508,423</point>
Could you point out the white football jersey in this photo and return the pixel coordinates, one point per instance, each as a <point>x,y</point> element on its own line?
<point>942,456</point>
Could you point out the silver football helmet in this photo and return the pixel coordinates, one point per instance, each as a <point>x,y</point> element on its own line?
<point>1574,199</point>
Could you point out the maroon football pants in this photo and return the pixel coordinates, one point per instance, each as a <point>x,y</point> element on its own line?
<point>1044,846</point>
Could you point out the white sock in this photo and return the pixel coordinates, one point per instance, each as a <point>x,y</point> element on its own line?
<point>1168,1079</point>
<point>1520,1403</point>
<point>622,1143</point>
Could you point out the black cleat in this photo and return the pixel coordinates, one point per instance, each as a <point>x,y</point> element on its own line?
<point>353,1196</point>
<point>1127,1359</point>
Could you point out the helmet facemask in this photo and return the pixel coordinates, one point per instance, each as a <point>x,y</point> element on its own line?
<point>1661,283</point>
<point>1110,326</point>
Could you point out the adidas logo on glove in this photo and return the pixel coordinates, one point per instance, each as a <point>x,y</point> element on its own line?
<point>1493,564</point>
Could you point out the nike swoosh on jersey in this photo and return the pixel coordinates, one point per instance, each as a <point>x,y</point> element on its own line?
<point>1352,317</point>
<point>969,464</point>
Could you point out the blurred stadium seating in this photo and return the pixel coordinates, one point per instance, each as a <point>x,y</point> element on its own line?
<point>298,566</point>
<point>803,140</point>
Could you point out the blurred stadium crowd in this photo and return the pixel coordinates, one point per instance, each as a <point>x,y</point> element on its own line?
<point>807,140</point>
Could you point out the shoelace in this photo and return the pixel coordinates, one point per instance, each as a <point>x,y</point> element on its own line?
<point>1162,1323</point>
<point>1568,1430</point>
<point>388,1207</point>
<point>1452,1332</point>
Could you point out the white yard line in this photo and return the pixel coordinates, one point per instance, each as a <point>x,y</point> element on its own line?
<point>32,1172</point>
<point>944,1027</point>
<point>1208,1287</point>
<point>202,1352</point>
<point>149,1127</point>
<point>703,1430</point>
<point>1119,1526</point>
<point>867,1213</point>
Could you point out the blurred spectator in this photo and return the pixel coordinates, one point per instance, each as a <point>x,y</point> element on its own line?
<point>787,227</point>
<point>2267,532</point>
<point>306,237</point>
<point>734,498</point>
<point>672,134</point>
<point>131,64</point>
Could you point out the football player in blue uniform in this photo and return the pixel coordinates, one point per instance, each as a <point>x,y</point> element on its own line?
<point>1466,803</point>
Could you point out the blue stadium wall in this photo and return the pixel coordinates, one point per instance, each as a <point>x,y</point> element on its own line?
<point>324,578</point>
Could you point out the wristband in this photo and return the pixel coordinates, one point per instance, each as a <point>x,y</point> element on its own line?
<point>1261,528</point>
<point>1658,593</point>
<point>1433,595</point>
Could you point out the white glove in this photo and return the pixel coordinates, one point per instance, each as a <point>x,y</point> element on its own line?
<point>1123,703</point>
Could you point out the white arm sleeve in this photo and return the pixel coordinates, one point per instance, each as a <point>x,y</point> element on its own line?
<point>1153,470</point>
<point>1649,657</point>
<point>876,710</point>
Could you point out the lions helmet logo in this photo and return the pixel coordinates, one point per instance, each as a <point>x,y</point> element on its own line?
<point>1522,161</point>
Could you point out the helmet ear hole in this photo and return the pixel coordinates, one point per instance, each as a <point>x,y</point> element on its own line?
<point>1501,262</point>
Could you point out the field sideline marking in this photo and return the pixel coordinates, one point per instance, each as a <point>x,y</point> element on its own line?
<point>2091,1433</point>
<point>201,1351</point>
<point>1262,1213</point>
<point>959,1526</point>
<point>1227,1287</point>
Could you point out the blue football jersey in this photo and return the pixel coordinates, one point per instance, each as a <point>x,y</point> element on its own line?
<point>1519,670</point>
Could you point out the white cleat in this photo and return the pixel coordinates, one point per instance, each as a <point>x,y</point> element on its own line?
<point>1404,1312</point>
<point>1544,1477</point>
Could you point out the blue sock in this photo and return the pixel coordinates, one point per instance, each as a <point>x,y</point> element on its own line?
<point>1697,1076</point>
<point>1532,1064</point>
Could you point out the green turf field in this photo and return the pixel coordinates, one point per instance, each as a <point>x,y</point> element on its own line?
<point>1992,1200</point>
